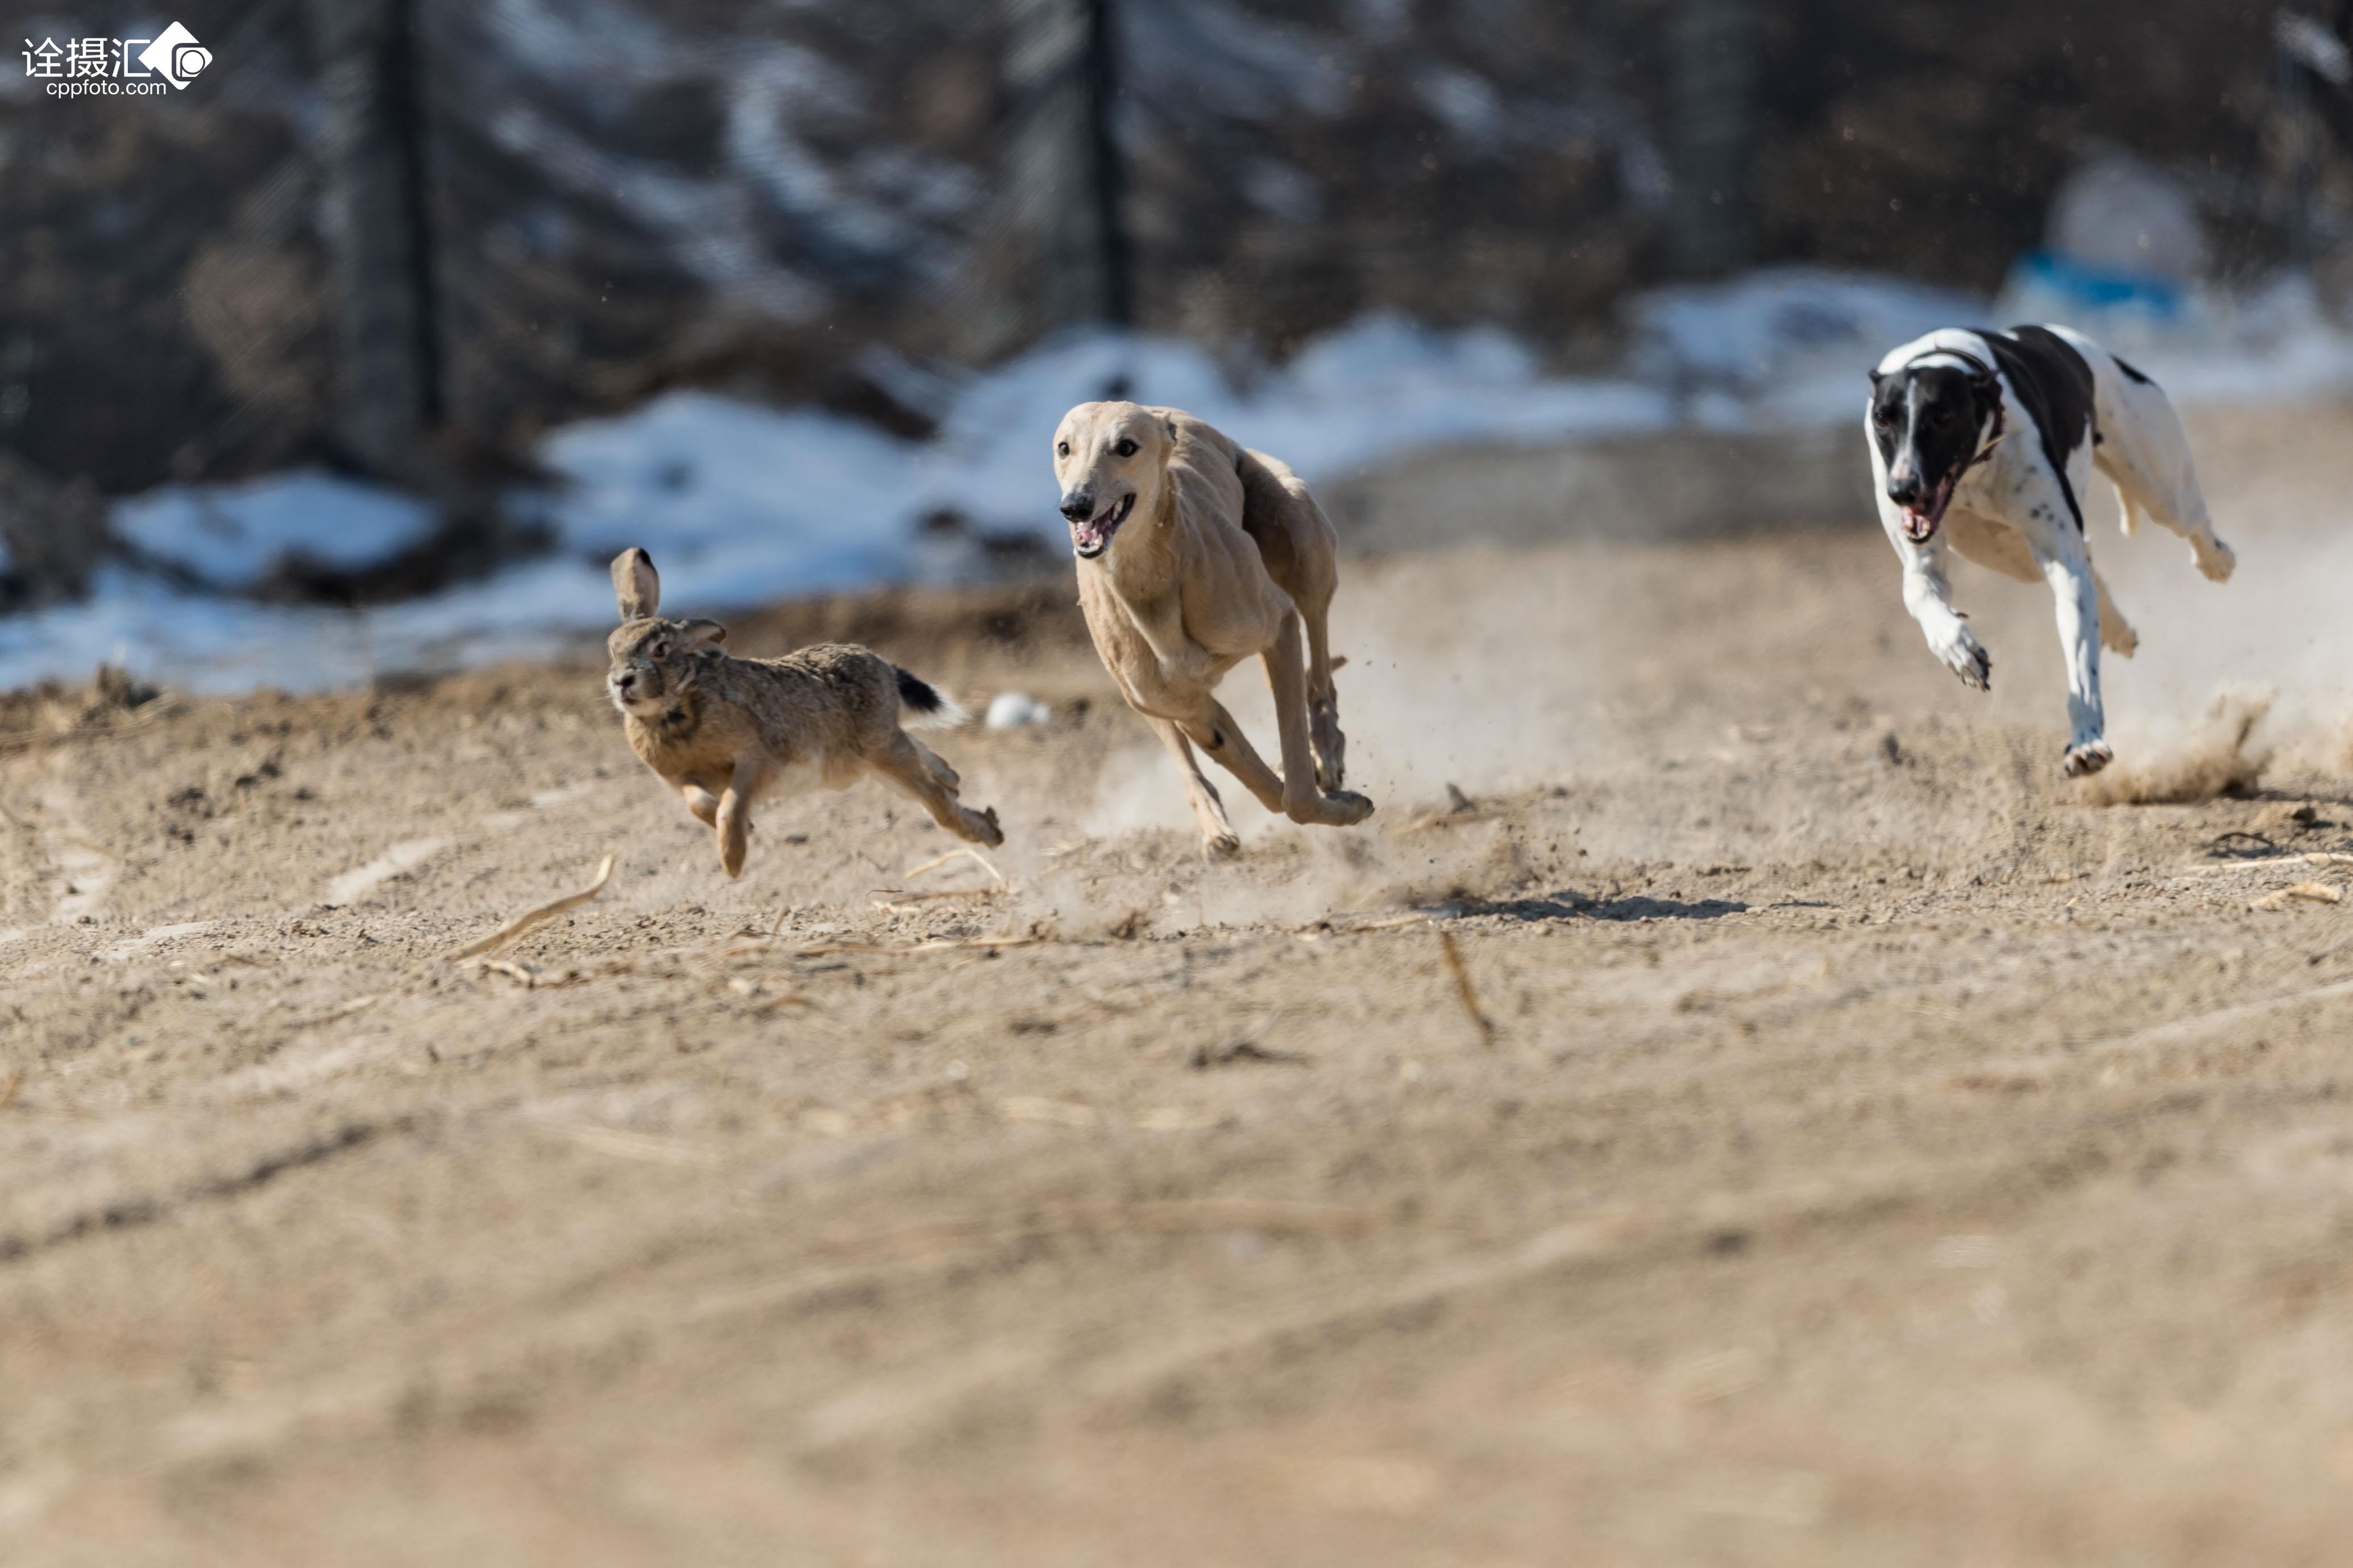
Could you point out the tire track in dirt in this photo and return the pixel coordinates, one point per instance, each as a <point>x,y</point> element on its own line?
<point>129,1213</point>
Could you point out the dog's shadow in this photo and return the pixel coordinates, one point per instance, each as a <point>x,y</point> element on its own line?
<point>1570,904</point>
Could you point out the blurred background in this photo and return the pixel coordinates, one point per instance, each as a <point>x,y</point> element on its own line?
<point>366,348</point>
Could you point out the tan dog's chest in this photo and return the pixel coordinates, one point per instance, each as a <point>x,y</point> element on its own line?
<point>1151,655</point>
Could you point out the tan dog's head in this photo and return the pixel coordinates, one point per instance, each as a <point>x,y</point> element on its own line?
<point>652,660</point>
<point>1110,458</point>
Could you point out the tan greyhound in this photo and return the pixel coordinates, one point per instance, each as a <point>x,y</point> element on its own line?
<point>1193,554</point>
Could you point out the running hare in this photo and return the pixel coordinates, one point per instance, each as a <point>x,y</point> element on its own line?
<point>723,730</point>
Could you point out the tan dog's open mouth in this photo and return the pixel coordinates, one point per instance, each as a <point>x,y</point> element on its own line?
<point>1093,537</point>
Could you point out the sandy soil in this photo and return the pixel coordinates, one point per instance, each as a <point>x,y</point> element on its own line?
<point>1880,1151</point>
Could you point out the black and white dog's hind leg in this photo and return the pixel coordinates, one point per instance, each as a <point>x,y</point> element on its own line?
<point>2037,501</point>
<point>2076,592</point>
<point>2145,455</point>
<point>1928,592</point>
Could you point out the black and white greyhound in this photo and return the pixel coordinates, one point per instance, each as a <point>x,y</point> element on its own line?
<point>1989,440</point>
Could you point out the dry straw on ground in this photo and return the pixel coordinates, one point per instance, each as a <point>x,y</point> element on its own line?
<point>530,918</point>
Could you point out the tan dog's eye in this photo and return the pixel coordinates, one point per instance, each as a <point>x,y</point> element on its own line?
<point>1126,448</point>
<point>1061,448</point>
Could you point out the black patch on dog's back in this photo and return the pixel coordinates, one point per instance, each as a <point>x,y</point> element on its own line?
<point>2050,378</point>
<point>2131,370</point>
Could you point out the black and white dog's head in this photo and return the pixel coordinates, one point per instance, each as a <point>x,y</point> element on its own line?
<point>1931,419</point>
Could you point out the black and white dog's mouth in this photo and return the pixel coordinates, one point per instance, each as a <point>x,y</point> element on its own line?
<point>1093,537</point>
<point>1920,522</point>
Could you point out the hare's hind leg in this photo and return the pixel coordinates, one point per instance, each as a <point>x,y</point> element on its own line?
<point>914,767</point>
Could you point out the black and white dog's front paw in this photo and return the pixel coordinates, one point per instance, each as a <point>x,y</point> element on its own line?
<point>1967,657</point>
<point>2086,758</point>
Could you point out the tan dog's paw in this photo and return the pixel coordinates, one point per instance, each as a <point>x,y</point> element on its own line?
<point>2216,560</point>
<point>1341,808</point>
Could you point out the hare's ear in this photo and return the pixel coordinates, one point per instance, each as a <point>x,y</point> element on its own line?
<point>637,586</point>
<point>702,634</point>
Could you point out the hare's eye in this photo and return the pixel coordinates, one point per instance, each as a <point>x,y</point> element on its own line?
<point>1126,448</point>
<point>1061,448</point>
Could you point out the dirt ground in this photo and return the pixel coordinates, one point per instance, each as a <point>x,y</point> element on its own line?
<point>1879,1150</point>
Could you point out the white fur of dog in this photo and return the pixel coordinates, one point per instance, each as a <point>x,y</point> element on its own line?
<point>1990,439</point>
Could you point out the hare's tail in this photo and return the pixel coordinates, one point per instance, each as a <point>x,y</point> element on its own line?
<point>926,707</point>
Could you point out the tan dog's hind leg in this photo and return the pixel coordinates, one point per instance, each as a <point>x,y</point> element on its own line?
<point>734,816</point>
<point>1330,746</point>
<point>1218,838</point>
<point>912,767</point>
<point>1303,799</point>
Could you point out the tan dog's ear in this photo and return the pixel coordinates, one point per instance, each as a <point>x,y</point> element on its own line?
<point>702,634</point>
<point>637,586</point>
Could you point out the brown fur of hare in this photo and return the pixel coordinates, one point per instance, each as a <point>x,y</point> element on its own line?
<point>723,730</point>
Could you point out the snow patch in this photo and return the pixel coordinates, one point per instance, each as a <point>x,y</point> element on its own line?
<point>231,537</point>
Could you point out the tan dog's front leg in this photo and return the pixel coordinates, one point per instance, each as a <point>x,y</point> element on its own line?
<point>1216,732</point>
<point>1304,800</point>
<point>735,816</point>
<point>1217,839</point>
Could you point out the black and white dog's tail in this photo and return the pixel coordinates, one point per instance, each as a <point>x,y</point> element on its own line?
<point>2141,448</point>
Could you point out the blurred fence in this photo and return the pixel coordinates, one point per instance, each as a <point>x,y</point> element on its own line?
<point>371,222</point>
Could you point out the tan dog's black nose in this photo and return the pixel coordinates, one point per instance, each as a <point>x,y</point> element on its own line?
<point>1078,506</point>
